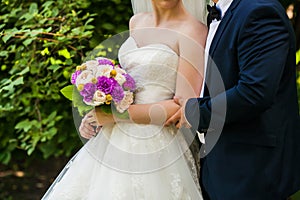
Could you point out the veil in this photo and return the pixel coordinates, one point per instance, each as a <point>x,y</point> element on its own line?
<point>197,8</point>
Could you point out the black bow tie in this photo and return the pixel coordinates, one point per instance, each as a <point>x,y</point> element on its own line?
<point>213,13</point>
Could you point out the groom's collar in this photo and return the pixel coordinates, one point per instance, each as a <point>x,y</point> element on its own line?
<point>223,5</point>
<point>225,20</point>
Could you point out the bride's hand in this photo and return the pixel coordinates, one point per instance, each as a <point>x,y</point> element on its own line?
<point>89,126</point>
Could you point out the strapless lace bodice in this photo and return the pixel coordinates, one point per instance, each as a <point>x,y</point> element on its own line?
<point>153,67</point>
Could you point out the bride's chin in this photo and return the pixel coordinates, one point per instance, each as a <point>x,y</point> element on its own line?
<point>166,4</point>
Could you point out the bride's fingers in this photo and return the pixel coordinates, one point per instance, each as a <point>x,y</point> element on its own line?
<point>86,129</point>
<point>92,121</point>
<point>98,128</point>
<point>87,134</point>
<point>94,124</point>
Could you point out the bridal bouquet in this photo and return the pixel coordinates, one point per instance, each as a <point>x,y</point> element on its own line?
<point>100,82</point>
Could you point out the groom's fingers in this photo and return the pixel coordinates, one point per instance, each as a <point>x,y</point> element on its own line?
<point>174,119</point>
<point>179,100</point>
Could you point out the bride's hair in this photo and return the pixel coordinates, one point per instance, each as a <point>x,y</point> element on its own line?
<point>197,8</point>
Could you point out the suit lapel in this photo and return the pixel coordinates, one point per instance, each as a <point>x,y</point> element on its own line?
<point>227,17</point>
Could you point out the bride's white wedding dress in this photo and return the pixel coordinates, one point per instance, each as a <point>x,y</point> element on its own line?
<point>130,161</point>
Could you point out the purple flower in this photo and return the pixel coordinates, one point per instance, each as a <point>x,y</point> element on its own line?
<point>129,83</point>
<point>88,92</point>
<point>106,85</point>
<point>118,93</point>
<point>74,76</point>
<point>105,61</point>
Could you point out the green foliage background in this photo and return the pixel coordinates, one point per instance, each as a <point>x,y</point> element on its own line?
<point>41,43</point>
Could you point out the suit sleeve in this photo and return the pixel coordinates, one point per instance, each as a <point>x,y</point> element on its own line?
<point>263,45</point>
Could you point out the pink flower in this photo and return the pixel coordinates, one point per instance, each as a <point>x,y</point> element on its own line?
<point>126,101</point>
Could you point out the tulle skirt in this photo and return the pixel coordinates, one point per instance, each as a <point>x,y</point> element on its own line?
<point>129,162</point>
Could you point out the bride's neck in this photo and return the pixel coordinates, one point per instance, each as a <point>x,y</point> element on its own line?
<point>162,15</point>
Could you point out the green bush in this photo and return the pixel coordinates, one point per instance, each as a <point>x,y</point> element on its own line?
<point>41,44</point>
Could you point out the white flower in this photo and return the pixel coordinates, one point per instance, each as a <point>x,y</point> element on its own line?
<point>92,65</point>
<point>104,70</point>
<point>125,102</point>
<point>99,98</point>
<point>120,78</point>
<point>85,77</point>
<point>119,70</point>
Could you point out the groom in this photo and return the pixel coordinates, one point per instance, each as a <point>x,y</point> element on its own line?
<point>256,154</point>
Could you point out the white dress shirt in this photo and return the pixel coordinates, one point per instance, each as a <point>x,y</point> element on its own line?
<point>223,5</point>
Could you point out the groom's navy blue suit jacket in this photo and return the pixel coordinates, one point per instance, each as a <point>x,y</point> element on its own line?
<point>252,114</point>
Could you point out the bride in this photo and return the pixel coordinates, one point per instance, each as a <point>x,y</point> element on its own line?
<point>139,157</point>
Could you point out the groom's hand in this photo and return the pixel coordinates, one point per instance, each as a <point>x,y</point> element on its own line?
<point>178,118</point>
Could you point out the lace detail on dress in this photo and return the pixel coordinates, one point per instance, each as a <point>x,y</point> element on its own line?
<point>192,159</point>
<point>119,193</point>
<point>138,190</point>
<point>192,166</point>
<point>176,186</point>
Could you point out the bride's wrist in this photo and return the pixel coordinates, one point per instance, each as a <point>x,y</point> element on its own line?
<point>120,116</point>
<point>103,116</point>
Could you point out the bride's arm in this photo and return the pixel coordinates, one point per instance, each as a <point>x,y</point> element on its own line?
<point>155,113</point>
<point>190,69</point>
<point>191,61</point>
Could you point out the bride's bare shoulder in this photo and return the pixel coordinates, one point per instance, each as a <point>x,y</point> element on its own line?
<point>195,29</point>
<point>139,20</point>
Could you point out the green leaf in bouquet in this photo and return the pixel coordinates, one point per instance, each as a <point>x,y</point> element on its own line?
<point>79,104</point>
<point>68,92</point>
<point>106,108</point>
<point>83,109</point>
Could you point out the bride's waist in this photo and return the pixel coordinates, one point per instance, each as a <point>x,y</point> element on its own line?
<point>146,130</point>
<point>143,96</point>
<point>149,99</point>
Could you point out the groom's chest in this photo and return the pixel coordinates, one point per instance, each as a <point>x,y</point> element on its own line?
<point>224,54</point>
